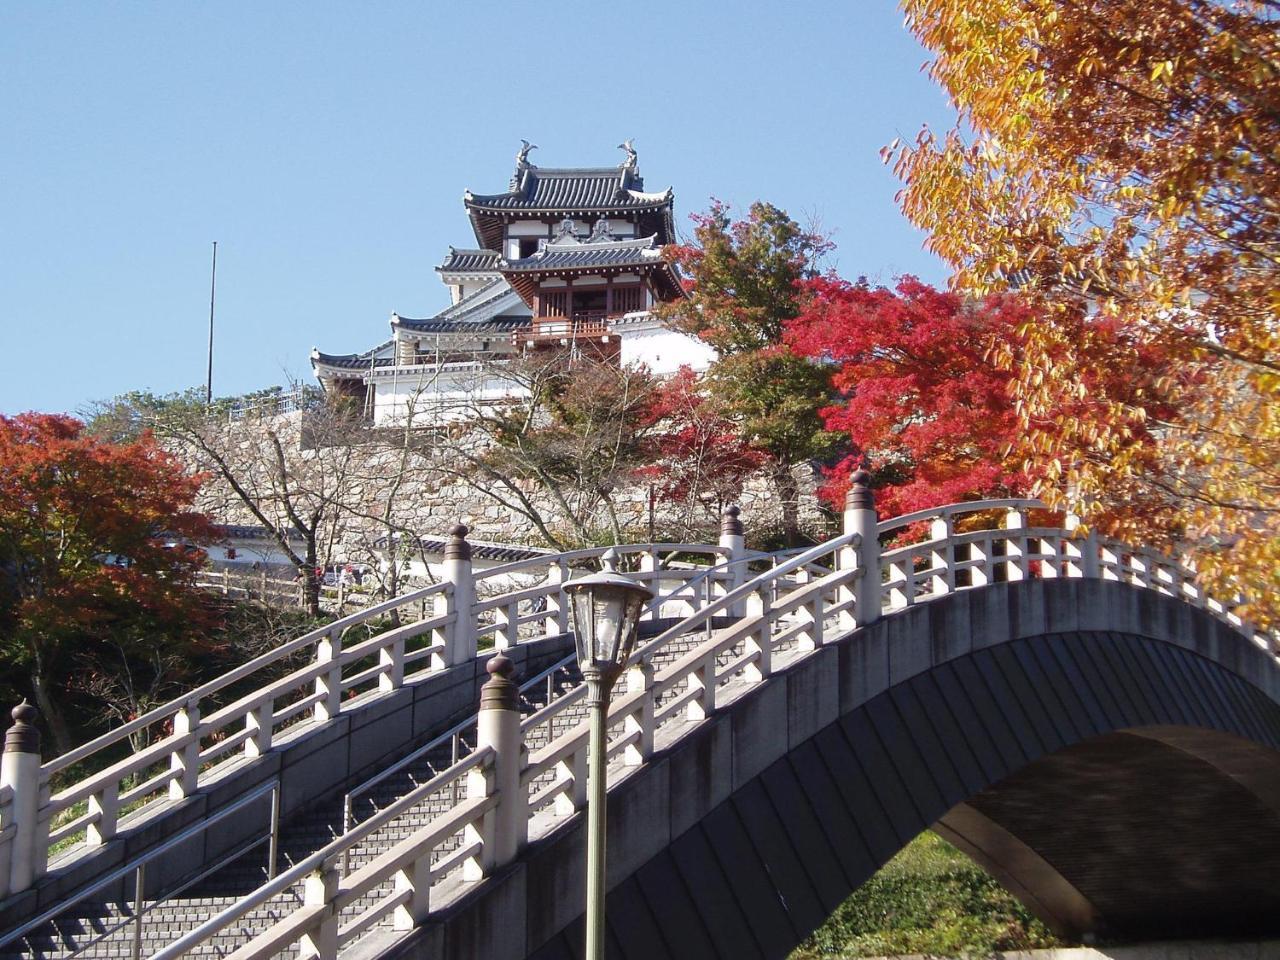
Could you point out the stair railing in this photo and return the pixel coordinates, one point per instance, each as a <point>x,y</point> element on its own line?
<point>137,869</point>
<point>193,738</point>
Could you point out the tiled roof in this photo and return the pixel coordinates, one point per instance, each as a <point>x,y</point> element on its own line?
<point>469,261</point>
<point>568,252</point>
<point>352,361</point>
<point>436,325</point>
<point>245,531</point>
<point>584,189</point>
<point>501,552</point>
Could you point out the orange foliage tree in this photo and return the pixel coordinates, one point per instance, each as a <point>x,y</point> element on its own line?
<point>1124,155</point>
<point>98,546</point>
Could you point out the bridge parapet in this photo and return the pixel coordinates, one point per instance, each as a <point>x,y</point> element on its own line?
<point>798,603</point>
<point>153,763</point>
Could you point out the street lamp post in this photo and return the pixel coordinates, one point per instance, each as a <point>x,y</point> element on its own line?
<point>606,613</point>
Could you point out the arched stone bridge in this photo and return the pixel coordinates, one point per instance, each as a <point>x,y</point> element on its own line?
<point>1071,712</point>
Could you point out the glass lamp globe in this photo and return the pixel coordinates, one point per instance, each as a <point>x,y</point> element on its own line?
<point>606,613</point>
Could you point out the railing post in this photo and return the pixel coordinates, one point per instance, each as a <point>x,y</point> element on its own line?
<point>1085,550</point>
<point>731,538</point>
<point>943,556</point>
<point>20,771</point>
<point>759,604</point>
<point>258,722</point>
<point>641,722</point>
<point>506,632</point>
<point>106,805</point>
<point>498,727</point>
<point>1016,567</point>
<point>185,759</point>
<point>318,890</point>
<point>557,619</point>
<point>860,518</point>
<point>460,646</point>
<point>329,683</point>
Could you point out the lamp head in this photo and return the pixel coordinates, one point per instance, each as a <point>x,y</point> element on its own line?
<point>606,614</point>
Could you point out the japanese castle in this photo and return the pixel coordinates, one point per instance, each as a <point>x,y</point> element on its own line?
<point>566,258</point>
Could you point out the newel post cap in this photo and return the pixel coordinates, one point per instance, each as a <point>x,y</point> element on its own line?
<point>730,525</point>
<point>500,691</point>
<point>457,547</point>
<point>860,496</point>
<point>23,736</point>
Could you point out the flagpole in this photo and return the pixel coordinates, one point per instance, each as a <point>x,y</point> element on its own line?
<point>213,286</point>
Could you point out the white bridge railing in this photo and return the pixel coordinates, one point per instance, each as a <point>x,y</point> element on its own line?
<point>509,796</point>
<point>173,750</point>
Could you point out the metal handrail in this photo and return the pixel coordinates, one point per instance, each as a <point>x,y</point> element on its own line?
<point>453,733</point>
<point>137,867</point>
<point>324,855</point>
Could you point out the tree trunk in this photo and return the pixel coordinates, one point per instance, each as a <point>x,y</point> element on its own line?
<point>53,716</point>
<point>313,579</point>
<point>788,493</point>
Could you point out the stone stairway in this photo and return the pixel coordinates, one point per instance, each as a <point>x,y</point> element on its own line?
<point>77,933</point>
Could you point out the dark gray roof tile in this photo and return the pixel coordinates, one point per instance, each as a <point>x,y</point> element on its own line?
<point>469,261</point>
<point>595,188</point>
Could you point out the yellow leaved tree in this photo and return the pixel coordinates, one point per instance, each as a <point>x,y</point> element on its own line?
<point>1123,157</point>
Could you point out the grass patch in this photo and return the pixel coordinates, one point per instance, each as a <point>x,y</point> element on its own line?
<point>929,899</point>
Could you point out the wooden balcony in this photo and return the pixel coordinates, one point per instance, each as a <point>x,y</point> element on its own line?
<point>583,325</point>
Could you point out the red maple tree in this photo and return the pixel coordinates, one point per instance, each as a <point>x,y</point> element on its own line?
<point>695,453</point>
<point>98,543</point>
<point>925,398</point>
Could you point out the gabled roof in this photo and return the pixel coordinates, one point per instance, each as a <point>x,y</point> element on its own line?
<point>502,552</point>
<point>245,531</point>
<point>555,192</point>
<point>582,189</point>
<point>469,261</point>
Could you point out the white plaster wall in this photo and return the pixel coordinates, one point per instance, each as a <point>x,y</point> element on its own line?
<point>444,396</point>
<point>528,228</point>
<point>664,351</point>
<point>248,552</point>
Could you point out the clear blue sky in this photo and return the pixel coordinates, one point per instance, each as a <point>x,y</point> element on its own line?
<point>326,148</point>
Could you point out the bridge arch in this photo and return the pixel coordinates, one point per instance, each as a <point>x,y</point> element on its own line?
<point>1111,754</point>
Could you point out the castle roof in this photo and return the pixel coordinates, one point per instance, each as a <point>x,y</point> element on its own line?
<point>469,261</point>
<point>354,361</point>
<point>601,253</point>
<point>436,325</point>
<point>545,192</point>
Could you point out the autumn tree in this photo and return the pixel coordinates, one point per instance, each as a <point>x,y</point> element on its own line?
<point>923,397</point>
<point>284,461</point>
<point>560,449</point>
<point>1126,155</point>
<point>99,547</point>
<point>746,281</point>
<point>696,458</point>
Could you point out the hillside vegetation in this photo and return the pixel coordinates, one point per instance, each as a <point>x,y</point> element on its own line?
<point>929,899</point>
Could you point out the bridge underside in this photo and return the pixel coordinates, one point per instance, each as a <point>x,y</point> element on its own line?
<point>1128,836</point>
<point>1122,784</point>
